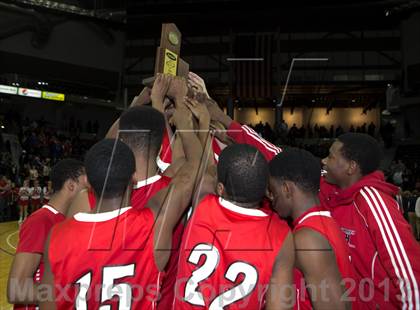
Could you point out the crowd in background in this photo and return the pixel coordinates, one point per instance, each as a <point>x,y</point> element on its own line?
<point>42,145</point>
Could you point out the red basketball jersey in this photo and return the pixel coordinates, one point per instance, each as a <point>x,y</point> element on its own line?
<point>227,256</point>
<point>146,189</point>
<point>142,191</point>
<point>320,220</point>
<point>105,259</point>
<point>164,159</point>
<point>32,237</point>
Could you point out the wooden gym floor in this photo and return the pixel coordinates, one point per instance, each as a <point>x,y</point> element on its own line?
<point>9,234</point>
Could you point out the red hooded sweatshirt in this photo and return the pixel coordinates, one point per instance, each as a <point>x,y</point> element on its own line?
<point>384,253</point>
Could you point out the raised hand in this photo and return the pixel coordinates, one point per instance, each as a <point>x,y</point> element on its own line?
<point>197,82</point>
<point>159,90</point>
<point>182,118</point>
<point>178,89</point>
<point>217,114</point>
<point>199,110</point>
<point>219,131</point>
<point>142,98</point>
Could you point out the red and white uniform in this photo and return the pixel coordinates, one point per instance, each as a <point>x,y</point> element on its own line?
<point>227,256</point>
<point>246,135</point>
<point>142,192</point>
<point>164,159</point>
<point>46,194</point>
<point>32,236</point>
<point>24,195</point>
<point>36,197</point>
<point>321,221</point>
<point>383,251</point>
<point>105,259</point>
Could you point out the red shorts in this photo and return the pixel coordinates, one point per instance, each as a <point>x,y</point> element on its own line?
<point>23,202</point>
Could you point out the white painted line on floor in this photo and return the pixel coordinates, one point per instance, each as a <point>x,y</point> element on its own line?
<point>8,239</point>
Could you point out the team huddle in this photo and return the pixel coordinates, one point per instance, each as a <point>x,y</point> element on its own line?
<point>180,207</point>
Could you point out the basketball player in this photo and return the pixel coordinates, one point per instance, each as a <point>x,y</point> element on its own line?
<point>321,251</point>
<point>141,128</point>
<point>119,248</point>
<point>68,178</point>
<point>383,250</point>
<point>232,248</point>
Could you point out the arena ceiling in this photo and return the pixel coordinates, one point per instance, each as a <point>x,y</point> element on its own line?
<point>141,20</point>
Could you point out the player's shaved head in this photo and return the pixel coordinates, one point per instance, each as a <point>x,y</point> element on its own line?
<point>142,130</point>
<point>110,165</point>
<point>298,166</point>
<point>243,171</point>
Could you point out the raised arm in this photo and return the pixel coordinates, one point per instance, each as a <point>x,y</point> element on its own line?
<point>141,99</point>
<point>169,204</point>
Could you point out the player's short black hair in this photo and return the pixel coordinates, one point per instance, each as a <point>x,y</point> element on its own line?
<point>243,171</point>
<point>298,166</point>
<point>66,169</point>
<point>363,149</point>
<point>110,165</point>
<point>145,126</point>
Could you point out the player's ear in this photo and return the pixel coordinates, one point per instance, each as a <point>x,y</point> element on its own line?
<point>70,185</point>
<point>135,177</point>
<point>352,168</point>
<point>220,189</point>
<point>287,189</point>
<point>88,186</point>
<point>84,180</point>
<point>269,194</point>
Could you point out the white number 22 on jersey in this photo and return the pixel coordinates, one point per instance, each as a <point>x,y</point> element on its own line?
<point>212,261</point>
<point>109,290</point>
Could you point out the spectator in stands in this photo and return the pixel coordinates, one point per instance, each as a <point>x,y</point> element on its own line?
<point>33,172</point>
<point>332,131</point>
<point>5,187</point>
<point>363,128</point>
<point>411,212</point>
<point>371,129</point>
<point>46,169</point>
<point>339,131</point>
<point>387,131</point>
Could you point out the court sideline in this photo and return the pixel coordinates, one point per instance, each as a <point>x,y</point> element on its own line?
<point>9,235</point>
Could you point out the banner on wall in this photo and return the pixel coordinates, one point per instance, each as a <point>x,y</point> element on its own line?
<point>6,89</point>
<point>53,96</point>
<point>27,92</point>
